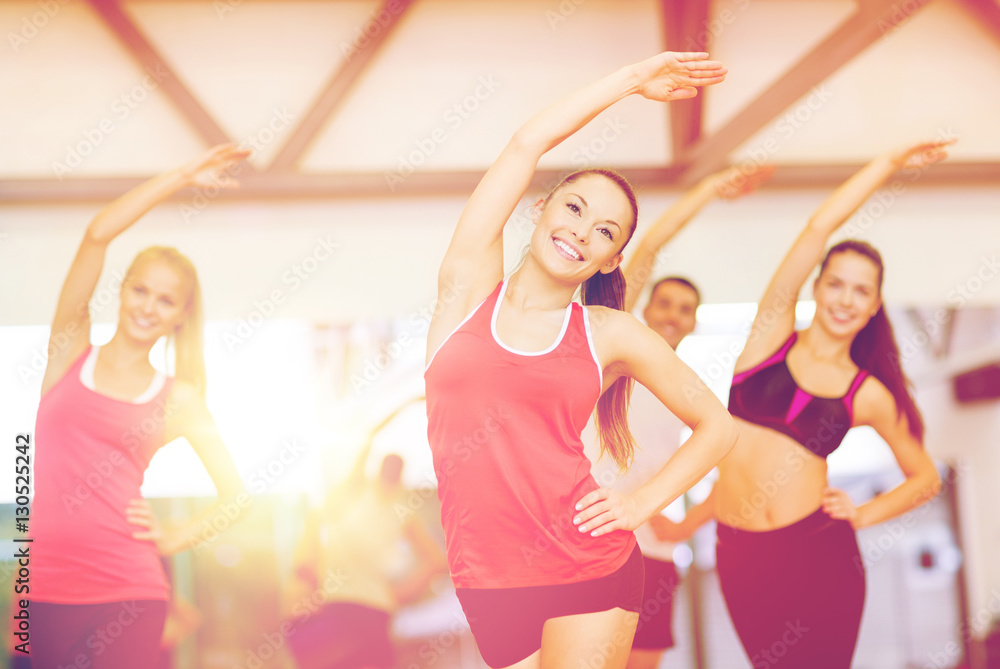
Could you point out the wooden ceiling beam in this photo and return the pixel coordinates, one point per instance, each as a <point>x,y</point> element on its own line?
<point>443,184</point>
<point>365,48</point>
<point>156,68</point>
<point>685,28</point>
<point>872,20</point>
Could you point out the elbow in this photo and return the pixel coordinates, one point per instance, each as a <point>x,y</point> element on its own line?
<point>95,236</point>
<point>930,486</point>
<point>528,144</point>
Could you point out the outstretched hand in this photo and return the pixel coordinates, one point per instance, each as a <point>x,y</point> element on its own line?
<point>740,179</point>
<point>676,76</point>
<point>923,154</point>
<point>214,167</point>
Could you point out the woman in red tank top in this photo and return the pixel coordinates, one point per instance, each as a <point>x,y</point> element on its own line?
<point>544,561</point>
<point>98,593</point>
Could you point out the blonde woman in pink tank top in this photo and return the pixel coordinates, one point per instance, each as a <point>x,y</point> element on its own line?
<point>544,560</point>
<point>98,592</point>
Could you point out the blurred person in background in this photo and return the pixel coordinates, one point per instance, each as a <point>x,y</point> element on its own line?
<point>366,553</point>
<point>671,313</point>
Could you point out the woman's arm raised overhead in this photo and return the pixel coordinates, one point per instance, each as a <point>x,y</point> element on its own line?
<point>72,318</point>
<point>473,263</point>
<point>775,318</point>
<point>728,184</point>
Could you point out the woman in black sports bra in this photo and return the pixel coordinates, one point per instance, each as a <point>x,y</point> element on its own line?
<point>788,559</point>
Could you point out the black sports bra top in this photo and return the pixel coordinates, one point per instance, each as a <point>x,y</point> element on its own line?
<point>767,395</point>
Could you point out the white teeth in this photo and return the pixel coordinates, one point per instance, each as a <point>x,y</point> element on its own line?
<point>568,249</point>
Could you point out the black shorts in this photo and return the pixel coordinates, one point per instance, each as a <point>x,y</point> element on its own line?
<point>343,635</point>
<point>100,636</point>
<point>507,622</point>
<point>655,630</point>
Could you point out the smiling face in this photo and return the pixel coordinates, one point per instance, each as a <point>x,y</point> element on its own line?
<point>671,311</point>
<point>847,293</point>
<point>582,228</point>
<point>154,301</point>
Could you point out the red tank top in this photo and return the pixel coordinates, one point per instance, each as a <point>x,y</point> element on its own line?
<point>504,429</point>
<point>90,455</point>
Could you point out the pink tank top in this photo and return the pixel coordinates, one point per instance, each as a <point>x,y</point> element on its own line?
<point>90,455</point>
<point>504,429</point>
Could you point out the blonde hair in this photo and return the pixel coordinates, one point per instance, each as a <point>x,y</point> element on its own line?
<point>188,341</point>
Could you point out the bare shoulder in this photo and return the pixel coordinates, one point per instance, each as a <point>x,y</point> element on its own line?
<point>608,322</point>
<point>620,337</point>
<point>873,403</point>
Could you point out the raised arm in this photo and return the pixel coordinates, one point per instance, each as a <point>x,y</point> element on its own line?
<point>775,318</point>
<point>473,264</point>
<point>635,350</point>
<point>728,184</point>
<point>70,333</point>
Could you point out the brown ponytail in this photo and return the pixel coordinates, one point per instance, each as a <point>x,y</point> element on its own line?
<point>608,290</point>
<point>874,347</point>
<point>611,413</point>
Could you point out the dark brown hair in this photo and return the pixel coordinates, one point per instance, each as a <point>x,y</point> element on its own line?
<point>874,347</point>
<point>608,290</point>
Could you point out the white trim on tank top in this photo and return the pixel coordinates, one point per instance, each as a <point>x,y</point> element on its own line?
<point>464,321</point>
<point>593,351</point>
<point>87,379</point>
<point>496,337</point>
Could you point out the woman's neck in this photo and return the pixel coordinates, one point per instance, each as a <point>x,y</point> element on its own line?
<point>824,346</point>
<point>125,354</point>
<point>530,288</point>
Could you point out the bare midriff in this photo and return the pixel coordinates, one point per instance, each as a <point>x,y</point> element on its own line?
<point>767,481</point>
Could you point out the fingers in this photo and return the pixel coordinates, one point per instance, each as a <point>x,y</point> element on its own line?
<point>592,497</point>
<point>600,524</point>
<point>686,56</point>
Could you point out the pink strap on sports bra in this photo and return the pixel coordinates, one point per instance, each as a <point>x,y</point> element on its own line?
<point>778,356</point>
<point>849,397</point>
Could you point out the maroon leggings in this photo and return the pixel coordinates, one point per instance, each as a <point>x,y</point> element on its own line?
<point>113,635</point>
<point>796,593</point>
